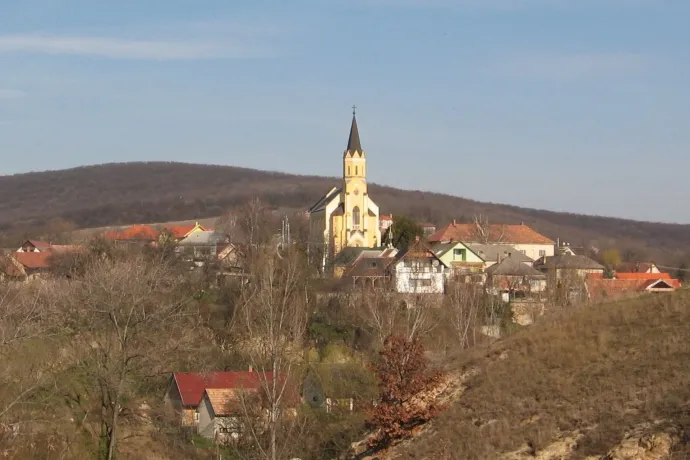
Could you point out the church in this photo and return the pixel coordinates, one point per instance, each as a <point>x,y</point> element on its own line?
<point>346,216</point>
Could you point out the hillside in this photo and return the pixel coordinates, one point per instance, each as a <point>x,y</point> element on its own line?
<point>579,385</point>
<point>124,193</point>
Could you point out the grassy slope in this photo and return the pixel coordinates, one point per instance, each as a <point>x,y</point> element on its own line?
<point>600,371</point>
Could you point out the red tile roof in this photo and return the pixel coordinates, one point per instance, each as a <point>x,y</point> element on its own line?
<point>508,234</point>
<point>600,289</point>
<point>33,260</point>
<point>386,217</point>
<point>135,232</point>
<point>192,385</point>
<point>642,276</point>
<point>180,231</point>
<point>674,283</point>
<point>39,244</point>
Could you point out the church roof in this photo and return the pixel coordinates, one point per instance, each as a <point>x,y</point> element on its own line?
<point>323,202</point>
<point>353,143</point>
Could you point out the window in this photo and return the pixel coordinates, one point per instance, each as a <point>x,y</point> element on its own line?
<point>542,253</point>
<point>356,170</point>
<point>417,283</point>
<point>348,170</point>
<point>355,218</point>
<point>196,417</point>
<point>460,254</point>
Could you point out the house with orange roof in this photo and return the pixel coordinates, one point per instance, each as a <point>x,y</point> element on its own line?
<point>385,221</point>
<point>34,246</point>
<point>180,232</point>
<point>24,266</point>
<point>626,285</point>
<point>134,234</point>
<point>520,236</point>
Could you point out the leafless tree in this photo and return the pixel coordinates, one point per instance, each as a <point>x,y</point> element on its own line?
<point>273,312</point>
<point>28,359</point>
<point>123,316</point>
<point>485,232</point>
<point>466,311</point>
<point>387,313</point>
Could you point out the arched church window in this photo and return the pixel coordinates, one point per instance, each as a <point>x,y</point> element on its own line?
<point>356,170</point>
<point>355,217</point>
<point>348,170</point>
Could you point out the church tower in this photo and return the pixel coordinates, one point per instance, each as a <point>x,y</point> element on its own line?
<point>358,222</point>
<point>346,216</point>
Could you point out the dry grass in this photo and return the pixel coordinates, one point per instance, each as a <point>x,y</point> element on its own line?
<point>597,370</point>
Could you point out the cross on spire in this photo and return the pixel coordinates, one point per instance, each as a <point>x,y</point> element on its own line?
<point>353,143</point>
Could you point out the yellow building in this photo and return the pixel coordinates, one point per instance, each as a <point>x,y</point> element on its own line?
<point>346,216</point>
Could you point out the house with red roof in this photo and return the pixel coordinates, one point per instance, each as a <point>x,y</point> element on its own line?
<point>385,221</point>
<point>520,236</point>
<point>134,234</point>
<point>180,232</point>
<point>187,389</point>
<point>24,266</point>
<point>34,246</point>
<point>629,284</point>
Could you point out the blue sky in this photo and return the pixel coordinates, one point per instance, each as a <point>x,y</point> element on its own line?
<point>572,105</point>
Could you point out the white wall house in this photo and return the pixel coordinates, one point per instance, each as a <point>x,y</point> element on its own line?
<point>419,271</point>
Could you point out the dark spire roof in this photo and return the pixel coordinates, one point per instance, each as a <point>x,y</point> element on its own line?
<point>353,142</point>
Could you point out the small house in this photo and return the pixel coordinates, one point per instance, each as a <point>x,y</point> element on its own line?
<point>186,390</point>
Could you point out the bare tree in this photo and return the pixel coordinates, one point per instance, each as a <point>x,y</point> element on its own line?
<point>273,313</point>
<point>123,315</point>
<point>465,311</point>
<point>388,313</point>
<point>485,232</point>
<point>28,359</point>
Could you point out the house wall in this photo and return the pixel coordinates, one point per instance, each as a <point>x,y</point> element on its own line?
<point>567,272</point>
<point>534,251</point>
<point>406,278</point>
<point>226,429</point>
<point>174,400</point>
<point>207,427</point>
<point>449,257</point>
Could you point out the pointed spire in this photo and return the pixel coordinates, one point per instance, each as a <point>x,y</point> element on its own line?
<point>353,142</point>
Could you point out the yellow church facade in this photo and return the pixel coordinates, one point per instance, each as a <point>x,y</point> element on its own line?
<point>346,216</point>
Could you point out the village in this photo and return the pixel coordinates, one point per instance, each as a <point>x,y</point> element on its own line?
<point>355,248</point>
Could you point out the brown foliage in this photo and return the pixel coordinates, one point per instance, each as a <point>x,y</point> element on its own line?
<point>406,391</point>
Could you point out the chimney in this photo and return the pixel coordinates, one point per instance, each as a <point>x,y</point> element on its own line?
<point>453,222</point>
<point>251,368</point>
<point>416,239</point>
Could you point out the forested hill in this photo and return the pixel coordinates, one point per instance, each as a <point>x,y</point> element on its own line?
<point>124,193</point>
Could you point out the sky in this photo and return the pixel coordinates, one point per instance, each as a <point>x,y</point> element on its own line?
<point>568,105</point>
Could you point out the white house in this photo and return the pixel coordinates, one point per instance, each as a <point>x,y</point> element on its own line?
<point>523,238</point>
<point>418,271</point>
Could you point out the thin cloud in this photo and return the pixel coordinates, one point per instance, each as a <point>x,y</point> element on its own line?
<point>11,94</point>
<point>568,66</point>
<point>117,48</point>
<point>505,4</point>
